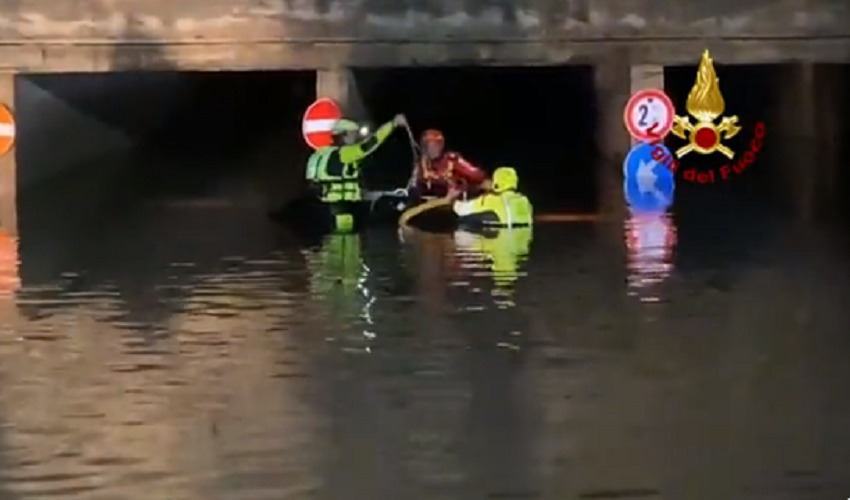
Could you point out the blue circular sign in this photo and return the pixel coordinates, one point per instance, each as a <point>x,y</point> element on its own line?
<point>649,184</point>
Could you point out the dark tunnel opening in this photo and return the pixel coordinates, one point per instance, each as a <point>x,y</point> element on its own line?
<point>235,110</point>
<point>169,123</point>
<point>183,110</point>
<point>540,120</point>
<point>210,125</point>
<point>233,122</point>
<point>94,148</point>
<point>759,94</point>
<point>198,131</point>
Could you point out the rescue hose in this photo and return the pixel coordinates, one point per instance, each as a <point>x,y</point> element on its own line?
<point>404,219</point>
<point>410,213</point>
<point>415,149</point>
<point>566,217</point>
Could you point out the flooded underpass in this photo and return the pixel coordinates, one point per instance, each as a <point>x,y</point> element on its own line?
<point>180,345</point>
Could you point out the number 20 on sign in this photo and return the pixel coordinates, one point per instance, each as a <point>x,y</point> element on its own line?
<point>649,115</point>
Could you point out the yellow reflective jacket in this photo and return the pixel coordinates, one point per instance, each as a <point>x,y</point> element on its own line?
<point>505,209</point>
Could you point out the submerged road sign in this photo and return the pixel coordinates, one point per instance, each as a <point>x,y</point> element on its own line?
<point>318,122</point>
<point>648,184</point>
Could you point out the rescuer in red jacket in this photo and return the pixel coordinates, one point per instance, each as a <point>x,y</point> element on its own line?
<point>440,171</point>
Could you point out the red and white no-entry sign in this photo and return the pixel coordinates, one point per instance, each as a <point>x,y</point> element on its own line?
<point>7,129</point>
<point>318,121</point>
<point>649,115</point>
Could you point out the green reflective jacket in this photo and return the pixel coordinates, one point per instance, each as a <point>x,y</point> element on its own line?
<point>336,169</point>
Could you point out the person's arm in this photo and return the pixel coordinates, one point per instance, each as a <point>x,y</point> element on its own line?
<point>313,166</point>
<point>421,169</point>
<point>472,174</point>
<point>356,152</point>
<point>463,208</point>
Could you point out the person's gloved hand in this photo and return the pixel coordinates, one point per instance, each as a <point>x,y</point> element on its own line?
<point>400,120</point>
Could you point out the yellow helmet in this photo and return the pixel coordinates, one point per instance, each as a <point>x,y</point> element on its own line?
<point>505,179</point>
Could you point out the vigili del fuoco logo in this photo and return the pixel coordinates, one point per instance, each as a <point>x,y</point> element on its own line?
<point>706,104</point>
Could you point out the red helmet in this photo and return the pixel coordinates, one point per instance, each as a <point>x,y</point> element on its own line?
<point>432,136</point>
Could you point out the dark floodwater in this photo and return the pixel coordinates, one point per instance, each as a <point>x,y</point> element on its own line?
<point>185,348</point>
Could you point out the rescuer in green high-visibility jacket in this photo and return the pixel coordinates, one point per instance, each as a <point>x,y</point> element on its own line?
<point>334,171</point>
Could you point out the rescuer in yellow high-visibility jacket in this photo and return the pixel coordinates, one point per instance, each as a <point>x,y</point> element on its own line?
<point>500,206</point>
<point>334,171</point>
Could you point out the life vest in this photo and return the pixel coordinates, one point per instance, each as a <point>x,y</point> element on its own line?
<point>442,172</point>
<point>337,181</point>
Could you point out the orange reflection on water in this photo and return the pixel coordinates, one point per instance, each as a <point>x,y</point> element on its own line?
<point>10,279</point>
<point>651,240</point>
<point>435,263</point>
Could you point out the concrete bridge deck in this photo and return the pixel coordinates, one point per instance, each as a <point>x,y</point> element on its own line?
<point>109,35</point>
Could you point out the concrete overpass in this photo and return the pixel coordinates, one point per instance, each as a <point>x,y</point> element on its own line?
<point>97,35</point>
<point>629,42</point>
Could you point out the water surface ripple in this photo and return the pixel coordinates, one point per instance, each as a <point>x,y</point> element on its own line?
<point>652,359</point>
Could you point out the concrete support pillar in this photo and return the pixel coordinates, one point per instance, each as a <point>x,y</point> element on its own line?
<point>340,85</point>
<point>8,166</point>
<point>829,122</point>
<point>616,81</point>
<point>807,136</point>
<point>613,86</point>
<point>646,76</point>
<point>801,125</point>
<point>612,79</point>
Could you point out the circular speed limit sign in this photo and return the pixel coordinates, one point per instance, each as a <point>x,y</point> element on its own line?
<point>649,115</point>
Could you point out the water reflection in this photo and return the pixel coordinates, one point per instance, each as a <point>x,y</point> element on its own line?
<point>10,279</point>
<point>497,254</point>
<point>340,280</point>
<point>96,403</point>
<point>432,260</point>
<point>651,241</point>
<point>231,364</point>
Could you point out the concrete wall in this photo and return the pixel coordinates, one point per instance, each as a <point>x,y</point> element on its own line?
<point>243,34</point>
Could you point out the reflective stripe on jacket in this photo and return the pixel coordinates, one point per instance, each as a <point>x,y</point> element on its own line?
<point>506,209</point>
<point>337,181</point>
